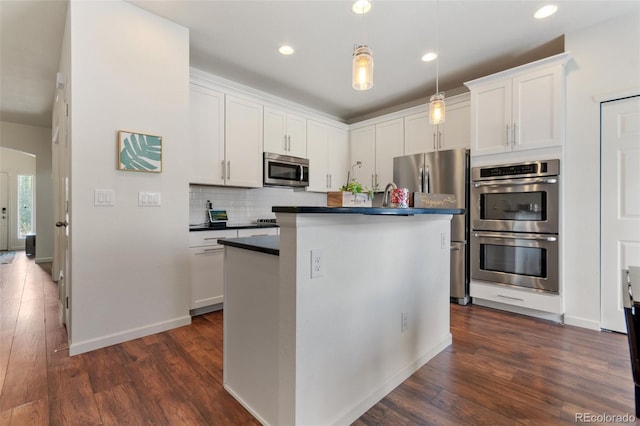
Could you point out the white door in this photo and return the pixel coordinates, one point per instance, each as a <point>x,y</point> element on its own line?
<point>620,201</point>
<point>4,210</point>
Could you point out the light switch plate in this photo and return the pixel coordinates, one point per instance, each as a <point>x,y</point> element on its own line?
<point>104,197</point>
<point>149,199</point>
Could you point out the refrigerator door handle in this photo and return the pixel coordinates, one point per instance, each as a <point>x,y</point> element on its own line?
<point>427,176</point>
<point>421,179</point>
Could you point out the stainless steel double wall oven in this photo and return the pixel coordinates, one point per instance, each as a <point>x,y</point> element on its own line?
<point>514,221</point>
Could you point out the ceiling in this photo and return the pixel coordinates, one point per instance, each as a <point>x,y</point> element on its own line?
<point>238,40</point>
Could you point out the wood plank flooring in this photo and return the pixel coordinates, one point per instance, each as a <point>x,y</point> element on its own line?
<point>502,369</point>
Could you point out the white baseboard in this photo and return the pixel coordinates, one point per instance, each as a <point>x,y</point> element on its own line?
<point>44,259</point>
<point>582,322</point>
<point>124,336</point>
<point>372,399</point>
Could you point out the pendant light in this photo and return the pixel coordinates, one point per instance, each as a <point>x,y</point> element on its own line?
<point>436,102</point>
<point>362,72</point>
<point>362,62</point>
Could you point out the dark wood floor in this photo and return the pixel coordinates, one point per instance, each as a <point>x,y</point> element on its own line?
<point>501,369</point>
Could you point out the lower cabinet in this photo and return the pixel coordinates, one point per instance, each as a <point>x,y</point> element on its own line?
<point>207,266</point>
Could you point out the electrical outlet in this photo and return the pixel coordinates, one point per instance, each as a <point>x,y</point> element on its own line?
<point>317,263</point>
<point>404,321</point>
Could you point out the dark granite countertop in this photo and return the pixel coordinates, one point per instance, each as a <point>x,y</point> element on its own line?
<point>223,226</point>
<point>269,244</point>
<point>390,211</point>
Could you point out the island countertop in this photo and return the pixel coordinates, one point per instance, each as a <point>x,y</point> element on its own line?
<point>269,244</point>
<point>391,211</point>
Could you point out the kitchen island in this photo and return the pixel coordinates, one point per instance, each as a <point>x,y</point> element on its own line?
<point>324,321</point>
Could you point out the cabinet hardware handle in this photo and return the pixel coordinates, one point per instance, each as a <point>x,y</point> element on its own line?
<point>513,141</point>
<point>289,141</point>
<point>211,250</point>
<point>376,181</point>
<point>511,298</point>
<point>434,141</point>
<point>330,180</point>
<point>508,141</point>
<point>439,139</point>
<point>284,137</point>
<point>212,238</point>
<point>224,171</point>
<point>228,169</point>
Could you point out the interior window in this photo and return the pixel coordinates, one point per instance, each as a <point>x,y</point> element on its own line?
<point>25,205</point>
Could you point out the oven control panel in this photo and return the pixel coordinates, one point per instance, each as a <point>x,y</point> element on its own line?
<point>528,169</point>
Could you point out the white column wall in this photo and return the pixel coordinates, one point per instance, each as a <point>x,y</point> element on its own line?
<point>130,267</point>
<point>606,64</point>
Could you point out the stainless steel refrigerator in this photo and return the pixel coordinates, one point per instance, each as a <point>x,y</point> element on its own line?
<point>443,172</point>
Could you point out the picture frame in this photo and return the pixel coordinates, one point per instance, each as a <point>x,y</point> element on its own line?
<point>139,152</point>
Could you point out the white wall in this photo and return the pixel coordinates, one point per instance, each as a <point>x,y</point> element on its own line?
<point>15,163</point>
<point>130,267</point>
<point>606,62</point>
<point>36,141</point>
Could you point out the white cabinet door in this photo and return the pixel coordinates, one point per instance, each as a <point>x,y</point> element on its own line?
<point>491,118</point>
<point>206,140</point>
<point>285,133</point>
<point>337,157</point>
<point>257,232</point>
<point>243,144</point>
<point>207,276</point>
<point>419,133</point>
<point>538,109</point>
<point>275,131</point>
<point>297,135</point>
<point>389,144</point>
<point>456,130</point>
<point>363,149</point>
<point>317,150</point>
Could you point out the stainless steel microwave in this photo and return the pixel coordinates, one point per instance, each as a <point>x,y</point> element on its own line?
<point>285,170</point>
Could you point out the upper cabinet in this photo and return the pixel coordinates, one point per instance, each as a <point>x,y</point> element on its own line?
<point>225,139</point>
<point>422,136</point>
<point>328,152</point>
<point>375,146</point>
<point>243,147</point>
<point>389,144</point>
<point>285,133</point>
<point>519,109</point>
<point>206,140</point>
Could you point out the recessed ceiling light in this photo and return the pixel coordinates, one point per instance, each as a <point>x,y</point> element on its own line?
<point>429,56</point>
<point>361,7</point>
<point>286,50</point>
<point>545,11</point>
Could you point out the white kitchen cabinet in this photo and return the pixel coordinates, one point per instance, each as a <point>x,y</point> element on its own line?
<point>206,140</point>
<point>389,144</point>
<point>257,232</point>
<point>207,267</point>
<point>375,146</point>
<point>285,133</point>
<point>422,136</point>
<point>243,143</point>
<point>521,298</point>
<point>363,149</point>
<point>519,109</point>
<point>328,153</point>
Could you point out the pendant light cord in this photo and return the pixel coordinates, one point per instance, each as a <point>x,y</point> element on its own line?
<point>437,43</point>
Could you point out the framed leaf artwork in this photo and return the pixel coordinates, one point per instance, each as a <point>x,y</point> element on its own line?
<point>139,152</point>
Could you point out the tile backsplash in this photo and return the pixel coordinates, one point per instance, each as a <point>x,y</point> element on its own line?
<point>246,205</point>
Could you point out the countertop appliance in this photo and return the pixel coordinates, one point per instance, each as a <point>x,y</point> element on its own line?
<point>285,170</point>
<point>515,215</point>
<point>443,172</point>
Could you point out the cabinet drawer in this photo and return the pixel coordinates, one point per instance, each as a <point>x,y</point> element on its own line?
<point>209,238</point>
<point>257,232</point>
<point>511,296</point>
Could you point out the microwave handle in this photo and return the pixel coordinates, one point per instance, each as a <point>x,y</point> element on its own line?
<point>301,172</point>
<point>515,237</point>
<point>515,182</point>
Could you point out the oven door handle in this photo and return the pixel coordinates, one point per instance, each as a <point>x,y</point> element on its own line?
<point>515,237</point>
<point>515,182</point>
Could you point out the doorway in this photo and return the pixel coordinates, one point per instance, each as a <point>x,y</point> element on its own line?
<point>4,211</point>
<point>620,204</point>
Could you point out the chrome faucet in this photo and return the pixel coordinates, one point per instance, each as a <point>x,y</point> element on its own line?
<point>385,199</point>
